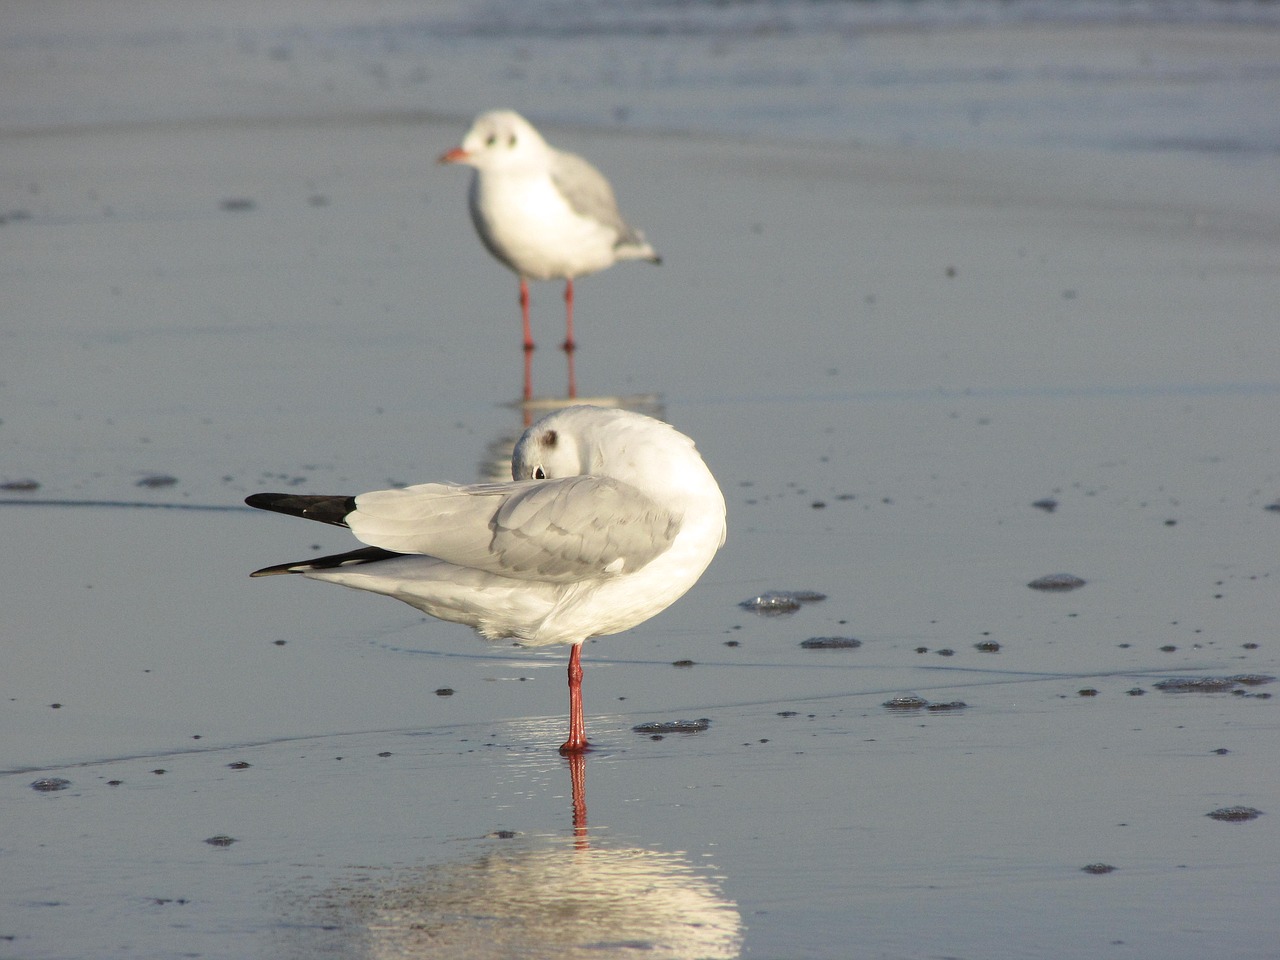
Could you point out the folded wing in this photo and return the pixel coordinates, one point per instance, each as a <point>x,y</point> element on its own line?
<point>574,528</point>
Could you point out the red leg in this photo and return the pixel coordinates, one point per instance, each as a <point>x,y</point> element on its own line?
<point>577,742</point>
<point>569,344</point>
<point>528,339</point>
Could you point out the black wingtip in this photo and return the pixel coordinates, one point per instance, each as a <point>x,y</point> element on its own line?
<point>324,509</point>
<point>349,559</point>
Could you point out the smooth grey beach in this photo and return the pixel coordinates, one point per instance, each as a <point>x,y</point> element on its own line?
<point>951,301</point>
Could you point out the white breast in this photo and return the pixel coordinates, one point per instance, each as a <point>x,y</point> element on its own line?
<point>525,222</point>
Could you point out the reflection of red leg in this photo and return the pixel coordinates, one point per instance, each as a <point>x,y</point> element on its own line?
<point>577,742</point>
<point>569,344</point>
<point>528,339</point>
<point>578,777</point>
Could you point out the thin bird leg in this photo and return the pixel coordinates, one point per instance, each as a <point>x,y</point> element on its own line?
<point>569,345</point>
<point>577,742</point>
<point>528,339</point>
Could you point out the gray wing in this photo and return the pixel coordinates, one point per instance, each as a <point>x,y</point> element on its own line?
<point>588,192</point>
<point>562,530</point>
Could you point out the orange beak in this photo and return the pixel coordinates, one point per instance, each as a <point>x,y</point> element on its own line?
<point>456,155</point>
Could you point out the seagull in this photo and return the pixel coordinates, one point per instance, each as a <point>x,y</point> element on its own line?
<point>546,214</point>
<point>609,518</point>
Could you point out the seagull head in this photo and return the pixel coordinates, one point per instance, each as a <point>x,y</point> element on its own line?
<point>500,140</point>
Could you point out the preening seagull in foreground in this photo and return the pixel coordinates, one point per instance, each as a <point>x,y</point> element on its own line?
<point>546,214</point>
<point>609,518</point>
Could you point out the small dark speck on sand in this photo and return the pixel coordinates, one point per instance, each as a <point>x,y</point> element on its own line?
<point>907,702</point>
<point>830,643</point>
<point>50,784</point>
<point>1222,751</point>
<point>1098,868</point>
<point>1088,692</point>
<point>238,203</point>
<point>503,834</point>
<point>1048,505</point>
<point>1234,814</point>
<point>1213,684</point>
<point>221,840</point>
<point>1136,692</point>
<point>239,765</point>
<point>672,726</point>
<point>445,692</point>
<point>155,481</point>
<point>987,646</point>
<point>1056,581</point>
<point>953,705</point>
<point>682,663</point>
<point>19,486</point>
<point>775,602</point>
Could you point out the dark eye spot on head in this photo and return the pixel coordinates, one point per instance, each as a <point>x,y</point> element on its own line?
<point>549,439</point>
<point>490,140</point>
<point>511,141</point>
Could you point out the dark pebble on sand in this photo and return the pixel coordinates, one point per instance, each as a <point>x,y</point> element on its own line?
<point>157,480</point>
<point>1213,684</point>
<point>776,602</point>
<point>987,646</point>
<point>221,840</point>
<point>1098,868</point>
<point>50,784</point>
<point>683,664</point>
<point>1047,505</point>
<point>953,705</point>
<point>444,692</point>
<point>672,726</point>
<point>1234,814</point>
<point>830,643</point>
<point>239,765</point>
<point>1087,692</point>
<point>19,486</point>
<point>238,204</point>
<point>1056,581</point>
<point>909,702</point>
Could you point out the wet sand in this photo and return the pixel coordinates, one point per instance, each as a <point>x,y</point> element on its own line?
<point>886,355</point>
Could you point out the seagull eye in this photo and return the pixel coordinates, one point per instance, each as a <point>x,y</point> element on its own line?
<point>511,141</point>
<point>490,140</point>
<point>539,474</point>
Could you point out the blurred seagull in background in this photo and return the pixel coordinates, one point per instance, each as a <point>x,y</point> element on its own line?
<point>545,213</point>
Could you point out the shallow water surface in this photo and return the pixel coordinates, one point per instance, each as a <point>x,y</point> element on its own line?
<point>887,357</point>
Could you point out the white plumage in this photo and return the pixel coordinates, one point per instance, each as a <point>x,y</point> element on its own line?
<point>544,213</point>
<point>610,517</point>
